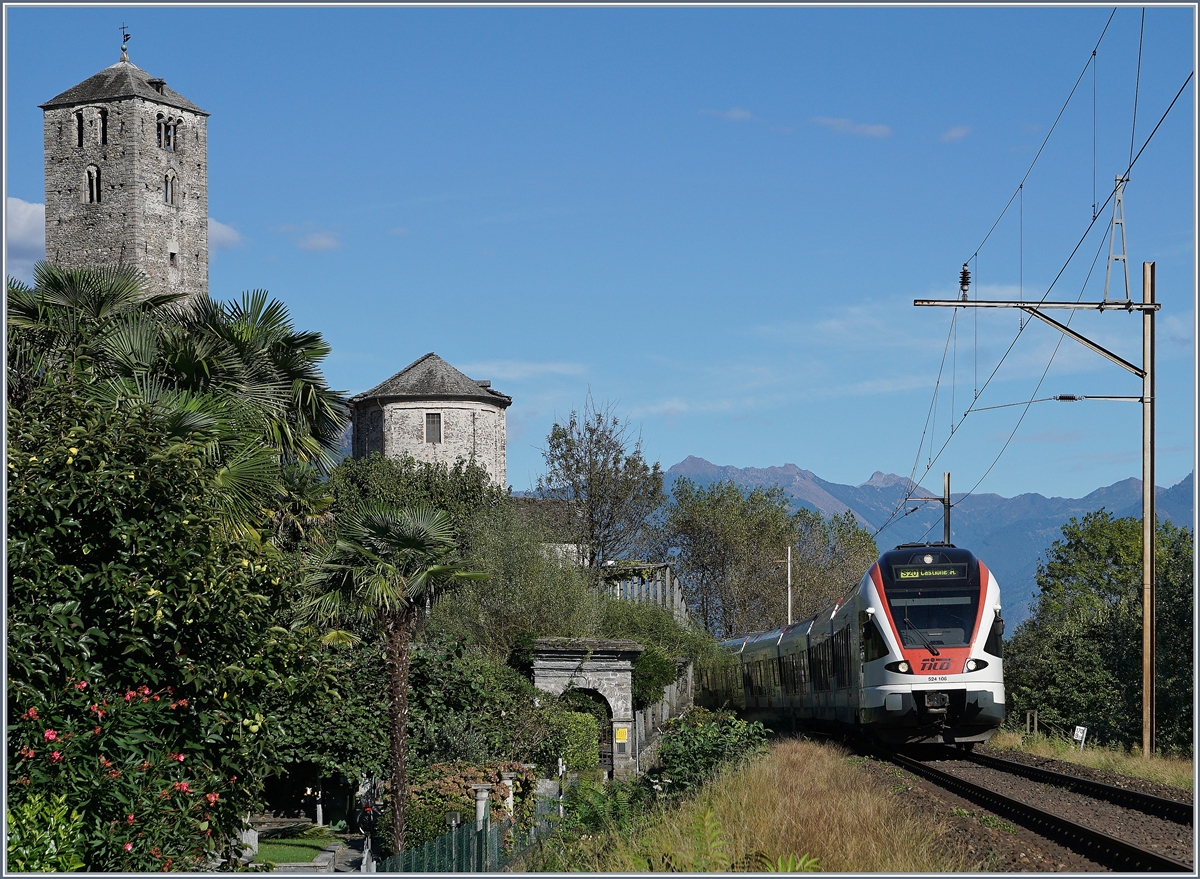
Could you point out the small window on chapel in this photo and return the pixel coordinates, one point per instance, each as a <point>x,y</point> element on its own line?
<point>91,193</point>
<point>171,258</point>
<point>433,427</point>
<point>103,127</point>
<point>79,129</point>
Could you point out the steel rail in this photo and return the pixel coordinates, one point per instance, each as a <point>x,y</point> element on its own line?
<point>1116,853</point>
<point>1162,807</point>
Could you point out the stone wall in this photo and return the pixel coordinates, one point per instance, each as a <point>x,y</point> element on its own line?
<point>131,223</point>
<point>469,429</point>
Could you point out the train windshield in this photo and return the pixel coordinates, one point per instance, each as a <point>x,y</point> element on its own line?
<point>933,598</point>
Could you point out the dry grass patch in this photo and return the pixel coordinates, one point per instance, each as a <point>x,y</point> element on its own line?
<point>1174,771</point>
<point>801,799</point>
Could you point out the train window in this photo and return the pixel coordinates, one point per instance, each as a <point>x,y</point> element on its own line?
<point>873,645</point>
<point>995,641</point>
<point>942,616</point>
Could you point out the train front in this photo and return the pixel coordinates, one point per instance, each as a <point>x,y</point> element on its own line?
<point>932,669</point>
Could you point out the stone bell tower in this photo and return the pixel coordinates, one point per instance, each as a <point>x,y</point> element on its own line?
<point>127,178</point>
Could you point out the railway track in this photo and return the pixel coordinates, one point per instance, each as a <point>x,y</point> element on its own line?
<point>1171,810</point>
<point>1116,853</point>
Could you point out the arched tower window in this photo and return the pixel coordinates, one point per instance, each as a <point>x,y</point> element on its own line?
<point>91,191</point>
<point>79,128</point>
<point>167,132</point>
<point>103,127</point>
<point>170,188</point>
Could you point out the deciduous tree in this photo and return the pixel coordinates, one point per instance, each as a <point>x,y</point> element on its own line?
<point>595,465</point>
<point>1078,658</point>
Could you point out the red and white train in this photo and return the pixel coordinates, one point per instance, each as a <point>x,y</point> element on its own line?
<point>912,655</point>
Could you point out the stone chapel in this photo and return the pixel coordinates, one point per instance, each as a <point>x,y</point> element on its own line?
<point>126,161</point>
<point>434,413</point>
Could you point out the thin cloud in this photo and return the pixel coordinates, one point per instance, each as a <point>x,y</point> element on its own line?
<point>955,134</point>
<point>849,126</point>
<point>313,239</point>
<point>515,370</point>
<point>733,114</point>
<point>316,241</point>
<point>24,236</point>
<point>222,237</point>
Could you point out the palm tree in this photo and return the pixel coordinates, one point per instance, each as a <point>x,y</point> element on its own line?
<point>235,378</point>
<point>385,568</point>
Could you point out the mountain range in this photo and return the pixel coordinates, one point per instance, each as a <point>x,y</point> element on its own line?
<point>1009,534</point>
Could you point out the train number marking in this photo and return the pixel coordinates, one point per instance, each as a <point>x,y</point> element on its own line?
<point>933,678</point>
<point>935,663</point>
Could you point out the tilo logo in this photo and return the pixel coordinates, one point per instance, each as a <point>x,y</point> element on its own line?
<point>933,663</point>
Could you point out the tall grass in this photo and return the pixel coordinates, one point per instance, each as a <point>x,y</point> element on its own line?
<point>1174,771</point>
<point>802,799</point>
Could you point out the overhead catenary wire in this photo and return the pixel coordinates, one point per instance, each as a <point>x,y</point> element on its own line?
<point>1029,170</point>
<point>933,459</point>
<point>1137,82</point>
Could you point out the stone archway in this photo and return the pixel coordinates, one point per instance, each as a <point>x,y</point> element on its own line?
<point>604,666</point>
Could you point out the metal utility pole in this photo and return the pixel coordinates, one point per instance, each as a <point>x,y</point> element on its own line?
<point>1148,306</point>
<point>1149,646</point>
<point>789,563</point>
<point>945,499</point>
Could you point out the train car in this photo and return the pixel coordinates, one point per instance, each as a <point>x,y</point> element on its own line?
<point>913,654</point>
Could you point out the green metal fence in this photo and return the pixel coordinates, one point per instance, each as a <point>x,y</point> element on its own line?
<point>467,850</point>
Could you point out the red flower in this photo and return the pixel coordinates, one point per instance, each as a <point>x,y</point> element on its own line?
<point>156,852</point>
<point>31,714</point>
<point>145,691</point>
<point>82,685</point>
<point>27,752</point>
<point>24,779</point>
<point>212,798</point>
<point>50,735</point>
<point>167,865</point>
<point>96,731</point>
<point>129,846</point>
<point>145,765</point>
<point>129,695</point>
<point>114,773</point>
<point>182,787</point>
<point>129,818</point>
<point>56,757</point>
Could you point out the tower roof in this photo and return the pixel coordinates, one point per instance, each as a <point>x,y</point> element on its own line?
<point>432,378</point>
<point>122,80</point>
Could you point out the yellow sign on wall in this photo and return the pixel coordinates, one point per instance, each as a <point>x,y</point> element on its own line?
<point>622,735</point>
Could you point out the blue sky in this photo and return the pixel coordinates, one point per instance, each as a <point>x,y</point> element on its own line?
<point>717,219</point>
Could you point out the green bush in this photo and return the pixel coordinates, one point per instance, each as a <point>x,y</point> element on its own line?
<point>573,736</point>
<point>139,638</point>
<point>43,837</point>
<point>696,743</point>
<point>653,672</point>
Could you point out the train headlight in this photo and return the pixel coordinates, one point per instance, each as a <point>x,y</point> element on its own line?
<point>971,663</point>
<point>975,664</point>
<point>902,667</point>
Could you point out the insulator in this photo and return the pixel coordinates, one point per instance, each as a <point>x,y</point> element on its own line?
<point>964,279</point>
<point>1067,398</point>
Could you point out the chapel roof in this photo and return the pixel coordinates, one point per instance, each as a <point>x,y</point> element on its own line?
<point>432,378</point>
<point>122,80</point>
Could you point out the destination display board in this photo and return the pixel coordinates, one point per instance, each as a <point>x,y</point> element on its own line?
<point>929,572</point>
